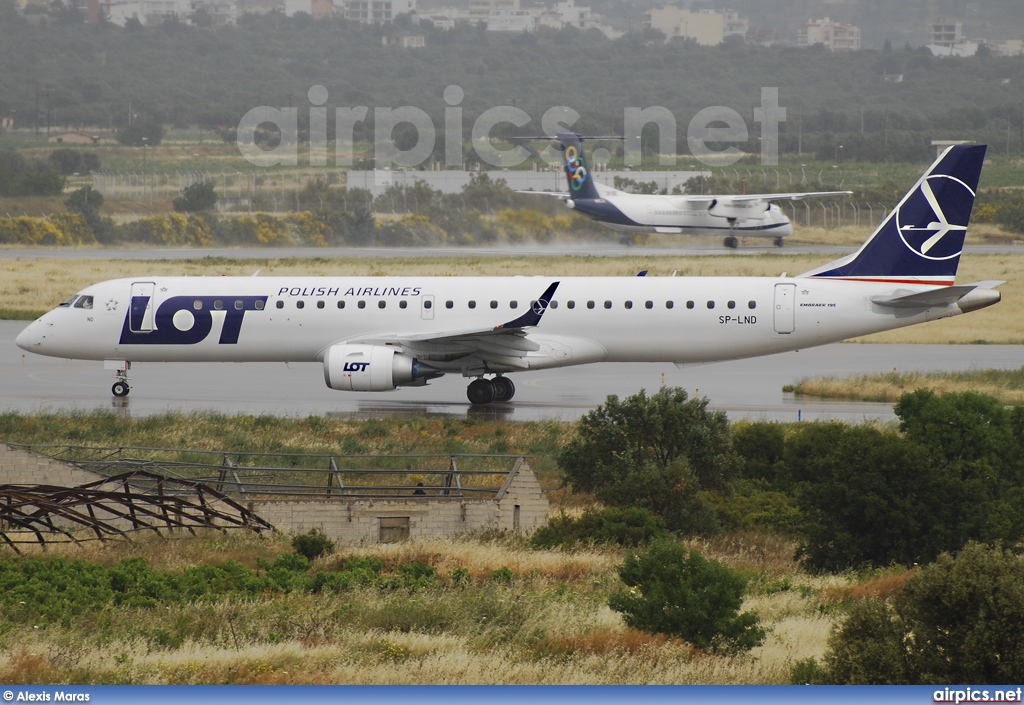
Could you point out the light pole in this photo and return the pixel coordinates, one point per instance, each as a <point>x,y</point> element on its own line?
<point>145,153</point>
<point>838,147</point>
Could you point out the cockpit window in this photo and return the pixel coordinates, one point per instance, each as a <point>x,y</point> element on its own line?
<point>84,302</point>
<point>69,301</point>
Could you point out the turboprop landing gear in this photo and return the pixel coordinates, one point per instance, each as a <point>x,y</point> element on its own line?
<point>778,242</point>
<point>731,242</point>
<point>484,391</point>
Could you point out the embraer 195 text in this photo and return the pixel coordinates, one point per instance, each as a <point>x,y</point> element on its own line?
<point>746,215</point>
<point>380,333</point>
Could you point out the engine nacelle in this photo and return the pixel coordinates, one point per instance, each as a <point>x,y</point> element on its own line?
<point>371,368</point>
<point>738,210</point>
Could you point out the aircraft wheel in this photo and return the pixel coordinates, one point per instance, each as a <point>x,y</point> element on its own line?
<point>480,391</point>
<point>120,389</point>
<point>504,390</point>
<point>731,242</point>
<point>778,242</point>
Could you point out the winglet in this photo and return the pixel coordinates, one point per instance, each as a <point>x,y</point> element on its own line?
<point>537,309</point>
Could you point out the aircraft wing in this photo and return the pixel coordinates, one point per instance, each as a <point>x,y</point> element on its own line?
<point>558,194</point>
<point>706,201</point>
<point>505,344</point>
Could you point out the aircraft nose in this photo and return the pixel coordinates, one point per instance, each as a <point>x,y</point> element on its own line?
<point>31,338</point>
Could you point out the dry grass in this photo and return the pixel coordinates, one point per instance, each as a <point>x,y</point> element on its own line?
<point>1005,385</point>
<point>557,627</point>
<point>36,285</point>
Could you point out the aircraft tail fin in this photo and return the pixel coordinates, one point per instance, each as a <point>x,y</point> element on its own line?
<point>574,163</point>
<point>921,240</point>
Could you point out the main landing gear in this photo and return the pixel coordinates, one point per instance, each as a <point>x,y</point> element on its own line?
<point>485,391</point>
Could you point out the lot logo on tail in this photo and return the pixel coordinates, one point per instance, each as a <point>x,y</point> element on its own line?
<point>944,203</point>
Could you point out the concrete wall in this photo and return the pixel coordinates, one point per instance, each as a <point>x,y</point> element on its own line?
<point>19,467</point>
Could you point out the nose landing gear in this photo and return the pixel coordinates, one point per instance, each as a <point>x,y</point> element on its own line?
<point>485,391</point>
<point>121,386</point>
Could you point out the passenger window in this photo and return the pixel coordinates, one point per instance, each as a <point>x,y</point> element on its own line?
<point>219,305</point>
<point>649,304</point>
<point>197,304</point>
<point>280,304</point>
<point>590,304</point>
<point>382,303</point>
<point>513,304</point>
<point>570,304</point>
<point>239,304</point>
<point>751,305</point>
<point>341,304</point>
<point>629,304</point>
<point>472,304</point>
<point>449,304</point>
<point>553,304</point>
<point>689,304</point>
<point>403,304</point>
<point>671,304</point>
<point>319,304</point>
<point>298,304</point>
<point>494,304</point>
<point>259,304</point>
<point>731,304</point>
<point>607,304</point>
<point>427,303</point>
<point>361,304</point>
<point>711,304</point>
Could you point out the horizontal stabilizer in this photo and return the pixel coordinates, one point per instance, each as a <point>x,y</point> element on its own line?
<point>903,298</point>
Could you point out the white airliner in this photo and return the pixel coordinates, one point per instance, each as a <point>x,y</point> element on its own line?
<point>379,333</point>
<point>735,216</point>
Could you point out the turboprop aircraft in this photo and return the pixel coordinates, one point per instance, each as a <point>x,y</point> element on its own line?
<point>379,333</point>
<point>747,215</point>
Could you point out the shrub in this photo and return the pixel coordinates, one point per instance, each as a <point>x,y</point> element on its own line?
<point>680,593</point>
<point>959,620</point>
<point>654,452</point>
<point>313,544</point>
<point>622,526</point>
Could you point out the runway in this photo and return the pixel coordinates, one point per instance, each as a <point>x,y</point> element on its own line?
<point>745,389</point>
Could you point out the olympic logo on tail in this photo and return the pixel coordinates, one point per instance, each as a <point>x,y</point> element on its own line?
<point>577,171</point>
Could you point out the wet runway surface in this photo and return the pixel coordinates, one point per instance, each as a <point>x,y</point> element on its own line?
<point>749,389</point>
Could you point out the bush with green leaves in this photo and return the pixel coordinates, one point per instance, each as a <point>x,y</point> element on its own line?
<point>313,544</point>
<point>196,198</point>
<point>656,452</point>
<point>958,620</point>
<point>679,592</point>
<point>629,526</point>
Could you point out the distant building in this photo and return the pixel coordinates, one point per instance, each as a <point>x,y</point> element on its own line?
<point>482,10</point>
<point>834,36</point>
<point>947,38</point>
<point>735,26</point>
<point>444,22</point>
<point>377,11</point>
<point>406,41</point>
<point>765,36</point>
<point>74,138</point>
<point>147,12</point>
<point>706,27</point>
<point>508,21</point>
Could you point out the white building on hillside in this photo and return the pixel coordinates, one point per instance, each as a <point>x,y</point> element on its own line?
<point>834,36</point>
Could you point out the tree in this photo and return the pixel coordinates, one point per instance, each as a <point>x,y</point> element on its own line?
<point>70,161</point>
<point>959,620</point>
<point>196,197</point>
<point>87,202</point>
<point>623,526</point>
<point>877,499</point>
<point>653,452</point>
<point>680,593</point>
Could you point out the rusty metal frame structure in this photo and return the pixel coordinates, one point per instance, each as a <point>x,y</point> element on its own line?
<point>113,507</point>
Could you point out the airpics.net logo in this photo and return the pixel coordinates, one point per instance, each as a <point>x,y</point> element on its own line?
<point>711,134</point>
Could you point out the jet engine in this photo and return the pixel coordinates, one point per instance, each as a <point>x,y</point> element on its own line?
<point>372,368</point>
